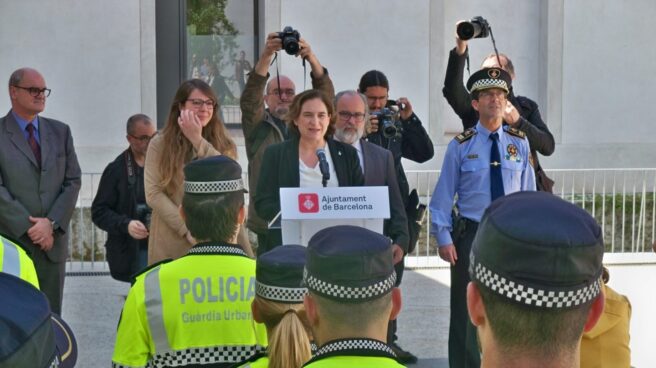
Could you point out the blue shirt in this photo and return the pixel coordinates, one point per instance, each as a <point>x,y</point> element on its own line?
<point>466,172</point>
<point>22,123</point>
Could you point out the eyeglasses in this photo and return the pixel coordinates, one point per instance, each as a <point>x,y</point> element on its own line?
<point>345,115</point>
<point>144,138</point>
<point>279,92</point>
<point>35,92</point>
<point>197,103</point>
<point>493,94</point>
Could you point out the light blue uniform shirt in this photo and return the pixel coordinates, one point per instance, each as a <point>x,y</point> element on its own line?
<point>466,172</point>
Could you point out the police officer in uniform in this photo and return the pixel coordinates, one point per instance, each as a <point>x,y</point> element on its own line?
<point>278,304</point>
<point>350,278</point>
<point>195,310</point>
<point>14,260</point>
<point>536,270</point>
<point>480,165</point>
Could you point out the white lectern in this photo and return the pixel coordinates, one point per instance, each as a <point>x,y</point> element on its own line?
<point>305,211</point>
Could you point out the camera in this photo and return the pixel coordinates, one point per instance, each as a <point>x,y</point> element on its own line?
<point>477,27</point>
<point>386,122</point>
<point>143,214</point>
<point>290,38</point>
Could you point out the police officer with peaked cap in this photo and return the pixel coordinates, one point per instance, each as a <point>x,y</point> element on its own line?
<point>278,304</point>
<point>480,165</point>
<point>535,289</point>
<point>350,278</point>
<point>195,310</point>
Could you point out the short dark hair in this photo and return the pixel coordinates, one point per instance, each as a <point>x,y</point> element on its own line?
<point>297,105</point>
<point>134,119</point>
<point>212,216</point>
<point>542,332</point>
<point>373,78</point>
<point>355,316</point>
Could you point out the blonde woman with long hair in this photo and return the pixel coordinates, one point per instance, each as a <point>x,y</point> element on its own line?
<point>278,304</point>
<point>193,130</point>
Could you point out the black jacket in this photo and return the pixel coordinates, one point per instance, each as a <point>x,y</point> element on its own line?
<point>112,210</point>
<point>413,144</point>
<point>530,121</point>
<point>280,170</point>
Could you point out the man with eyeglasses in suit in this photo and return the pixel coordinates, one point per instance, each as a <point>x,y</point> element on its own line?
<point>39,180</point>
<point>120,206</point>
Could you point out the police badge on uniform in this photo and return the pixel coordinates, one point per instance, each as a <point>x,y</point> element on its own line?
<point>511,153</point>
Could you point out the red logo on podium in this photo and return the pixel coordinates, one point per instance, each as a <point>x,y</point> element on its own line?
<point>308,203</point>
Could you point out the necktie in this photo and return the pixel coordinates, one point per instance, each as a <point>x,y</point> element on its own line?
<point>496,181</point>
<point>34,145</point>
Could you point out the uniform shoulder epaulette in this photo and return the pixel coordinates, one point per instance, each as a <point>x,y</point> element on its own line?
<point>134,277</point>
<point>516,132</point>
<point>466,135</point>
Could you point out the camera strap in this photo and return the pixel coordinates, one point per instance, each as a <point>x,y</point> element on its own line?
<point>129,165</point>
<point>496,52</point>
<point>275,60</point>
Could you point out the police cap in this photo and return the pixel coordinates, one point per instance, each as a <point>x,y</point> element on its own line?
<point>213,175</point>
<point>349,264</point>
<point>538,250</point>
<point>279,274</point>
<point>488,78</point>
<point>65,342</point>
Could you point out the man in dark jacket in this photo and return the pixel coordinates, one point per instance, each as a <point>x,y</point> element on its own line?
<point>264,126</point>
<point>521,112</point>
<point>120,207</point>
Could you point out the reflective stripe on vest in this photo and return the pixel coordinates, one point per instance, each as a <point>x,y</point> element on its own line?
<point>10,258</point>
<point>153,301</point>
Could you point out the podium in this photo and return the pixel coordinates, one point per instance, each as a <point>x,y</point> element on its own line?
<point>305,211</point>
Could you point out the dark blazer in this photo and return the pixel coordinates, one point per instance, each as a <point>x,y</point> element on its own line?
<point>280,170</point>
<point>112,210</point>
<point>26,190</point>
<point>379,171</point>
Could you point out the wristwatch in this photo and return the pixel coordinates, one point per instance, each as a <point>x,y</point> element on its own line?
<point>54,225</point>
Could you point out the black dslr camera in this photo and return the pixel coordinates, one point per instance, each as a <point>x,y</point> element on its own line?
<point>144,213</point>
<point>386,122</point>
<point>477,27</point>
<point>290,38</point>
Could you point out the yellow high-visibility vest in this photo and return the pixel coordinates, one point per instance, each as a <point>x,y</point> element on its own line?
<point>15,261</point>
<point>193,310</point>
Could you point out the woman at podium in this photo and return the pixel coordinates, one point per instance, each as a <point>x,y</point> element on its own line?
<point>308,159</point>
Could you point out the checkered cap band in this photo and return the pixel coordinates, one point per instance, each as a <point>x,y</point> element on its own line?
<point>489,83</point>
<point>201,356</point>
<point>209,187</point>
<point>349,293</point>
<point>205,249</point>
<point>535,297</point>
<point>280,294</point>
<point>353,344</point>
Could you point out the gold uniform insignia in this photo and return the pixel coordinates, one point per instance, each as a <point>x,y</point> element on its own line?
<point>466,135</point>
<point>516,132</point>
<point>494,73</point>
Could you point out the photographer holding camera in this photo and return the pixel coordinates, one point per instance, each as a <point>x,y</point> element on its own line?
<point>265,126</point>
<point>120,206</point>
<point>394,126</point>
<point>521,112</point>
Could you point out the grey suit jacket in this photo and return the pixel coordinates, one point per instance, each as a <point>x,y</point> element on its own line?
<point>379,171</point>
<point>26,190</point>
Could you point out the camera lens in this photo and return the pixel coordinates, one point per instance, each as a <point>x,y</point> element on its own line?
<point>465,30</point>
<point>290,45</point>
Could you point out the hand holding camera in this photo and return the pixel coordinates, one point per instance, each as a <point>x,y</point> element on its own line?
<point>477,27</point>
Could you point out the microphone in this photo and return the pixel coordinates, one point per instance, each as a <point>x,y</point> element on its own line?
<point>323,166</point>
